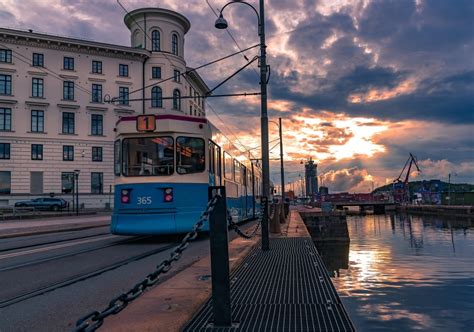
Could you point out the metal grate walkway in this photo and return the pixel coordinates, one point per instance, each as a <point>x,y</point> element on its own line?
<point>284,289</point>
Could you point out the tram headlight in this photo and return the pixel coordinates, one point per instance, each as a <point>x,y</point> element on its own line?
<point>125,196</point>
<point>168,195</point>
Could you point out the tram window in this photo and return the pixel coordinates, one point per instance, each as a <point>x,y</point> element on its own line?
<point>237,171</point>
<point>148,156</point>
<point>228,166</point>
<point>190,155</point>
<point>217,158</point>
<point>117,157</point>
<point>244,175</point>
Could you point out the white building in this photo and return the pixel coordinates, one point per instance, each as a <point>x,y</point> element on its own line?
<point>53,119</point>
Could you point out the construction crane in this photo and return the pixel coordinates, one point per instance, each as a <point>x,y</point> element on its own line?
<point>401,191</point>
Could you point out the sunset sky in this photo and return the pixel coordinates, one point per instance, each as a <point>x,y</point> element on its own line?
<point>359,84</point>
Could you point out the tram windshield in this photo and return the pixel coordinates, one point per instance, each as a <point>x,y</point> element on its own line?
<point>190,154</point>
<point>148,156</point>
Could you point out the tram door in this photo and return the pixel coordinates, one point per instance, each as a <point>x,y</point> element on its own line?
<point>215,178</point>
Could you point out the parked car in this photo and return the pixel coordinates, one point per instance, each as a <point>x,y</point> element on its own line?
<point>55,204</point>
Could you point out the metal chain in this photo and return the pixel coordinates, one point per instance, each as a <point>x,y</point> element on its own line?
<point>239,232</point>
<point>95,319</point>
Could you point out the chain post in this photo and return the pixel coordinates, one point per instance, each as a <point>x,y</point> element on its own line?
<point>220,259</point>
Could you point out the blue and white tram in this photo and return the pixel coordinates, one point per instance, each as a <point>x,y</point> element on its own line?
<point>163,167</point>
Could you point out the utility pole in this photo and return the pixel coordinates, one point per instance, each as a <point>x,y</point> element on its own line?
<point>282,170</point>
<point>449,188</point>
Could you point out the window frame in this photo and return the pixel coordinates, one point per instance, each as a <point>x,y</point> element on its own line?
<point>97,154</point>
<point>68,152</point>
<point>123,69</point>
<point>176,75</point>
<point>96,93</point>
<point>68,63</point>
<point>174,44</point>
<point>96,67</point>
<point>69,116</point>
<point>35,151</point>
<point>37,87</point>
<point>124,97</point>
<point>38,60</point>
<point>101,183</point>
<point>155,41</point>
<point>97,125</point>
<point>177,100</point>
<point>6,114</point>
<point>68,90</point>
<point>7,55</point>
<point>5,151</point>
<point>8,83</point>
<point>37,116</point>
<point>156,101</point>
<point>231,171</point>
<point>8,175</point>
<point>155,70</point>
<point>176,154</point>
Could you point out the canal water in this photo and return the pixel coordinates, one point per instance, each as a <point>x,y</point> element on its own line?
<point>405,272</point>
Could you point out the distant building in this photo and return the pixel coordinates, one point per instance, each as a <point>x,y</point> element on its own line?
<point>311,177</point>
<point>53,118</point>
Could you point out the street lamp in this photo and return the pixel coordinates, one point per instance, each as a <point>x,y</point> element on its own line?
<point>221,23</point>
<point>76,185</point>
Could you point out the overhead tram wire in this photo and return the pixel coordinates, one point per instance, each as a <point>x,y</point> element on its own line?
<point>183,74</point>
<point>55,75</point>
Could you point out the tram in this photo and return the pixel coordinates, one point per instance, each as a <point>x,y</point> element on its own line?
<point>163,166</point>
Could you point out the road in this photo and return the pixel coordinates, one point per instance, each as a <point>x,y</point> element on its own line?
<point>50,280</point>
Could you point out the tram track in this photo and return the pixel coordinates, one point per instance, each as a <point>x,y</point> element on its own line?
<point>52,242</point>
<point>69,254</point>
<point>81,276</point>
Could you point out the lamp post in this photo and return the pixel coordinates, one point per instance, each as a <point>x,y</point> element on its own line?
<point>221,23</point>
<point>76,185</point>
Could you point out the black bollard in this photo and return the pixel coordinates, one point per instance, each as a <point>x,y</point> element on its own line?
<point>220,259</point>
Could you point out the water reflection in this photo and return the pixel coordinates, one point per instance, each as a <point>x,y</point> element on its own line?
<point>404,272</point>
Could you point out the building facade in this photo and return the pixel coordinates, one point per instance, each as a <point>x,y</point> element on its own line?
<point>311,178</point>
<point>54,114</point>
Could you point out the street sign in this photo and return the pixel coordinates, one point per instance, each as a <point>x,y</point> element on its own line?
<point>146,123</point>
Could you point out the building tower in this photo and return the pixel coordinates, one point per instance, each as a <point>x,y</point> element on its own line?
<point>311,177</point>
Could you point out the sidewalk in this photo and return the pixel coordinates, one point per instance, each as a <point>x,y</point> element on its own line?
<point>52,224</point>
<point>284,289</point>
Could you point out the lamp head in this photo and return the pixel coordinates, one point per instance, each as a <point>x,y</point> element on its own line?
<point>221,23</point>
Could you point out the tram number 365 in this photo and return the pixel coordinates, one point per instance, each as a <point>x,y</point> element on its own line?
<point>144,200</point>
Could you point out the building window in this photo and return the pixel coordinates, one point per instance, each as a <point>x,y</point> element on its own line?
<point>5,182</point>
<point>68,63</point>
<point>37,87</point>
<point>176,100</point>
<point>67,182</point>
<point>97,125</point>
<point>96,153</point>
<point>36,182</point>
<point>97,183</point>
<point>123,70</point>
<point>123,96</point>
<point>68,153</point>
<point>155,40</point>
<point>37,121</point>
<point>174,44</point>
<point>5,56</point>
<point>68,123</point>
<point>156,72</point>
<point>5,119</point>
<point>97,93</point>
<point>36,151</point>
<point>4,150</point>
<point>97,67</point>
<point>156,97</point>
<point>38,60</point>
<point>68,90</point>
<point>177,76</point>
<point>5,85</point>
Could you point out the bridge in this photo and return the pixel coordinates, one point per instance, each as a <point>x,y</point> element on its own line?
<point>379,207</point>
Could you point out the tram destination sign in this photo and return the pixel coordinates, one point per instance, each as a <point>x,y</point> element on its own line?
<point>146,123</point>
